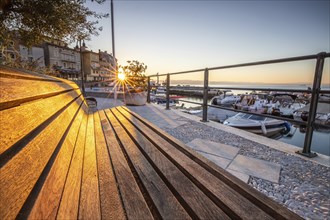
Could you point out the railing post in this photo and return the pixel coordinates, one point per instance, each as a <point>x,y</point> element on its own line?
<point>148,91</point>
<point>313,107</point>
<point>168,92</point>
<point>205,94</point>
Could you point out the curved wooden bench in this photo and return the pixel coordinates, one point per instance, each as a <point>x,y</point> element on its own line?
<point>60,159</point>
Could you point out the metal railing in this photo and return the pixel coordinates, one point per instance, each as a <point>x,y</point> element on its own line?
<point>315,92</point>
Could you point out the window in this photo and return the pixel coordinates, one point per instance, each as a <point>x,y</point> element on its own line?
<point>257,118</point>
<point>64,64</point>
<point>56,53</point>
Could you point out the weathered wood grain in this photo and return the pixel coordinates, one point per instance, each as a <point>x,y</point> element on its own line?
<point>28,90</point>
<point>270,207</point>
<point>162,198</point>
<point>71,194</point>
<point>191,197</point>
<point>28,117</point>
<point>48,200</point>
<point>133,200</point>
<point>224,196</point>
<point>10,72</point>
<point>111,204</point>
<point>89,204</point>
<point>19,175</point>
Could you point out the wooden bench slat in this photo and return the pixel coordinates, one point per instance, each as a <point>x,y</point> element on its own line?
<point>19,175</point>
<point>69,204</point>
<point>28,117</point>
<point>231,201</point>
<point>274,209</point>
<point>166,203</point>
<point>46,206</point>
<point>133,201</point>
<point>34,90</point>
<point>89,205</point>
<point>111,205</point>
<point>19,73</point>
<point>198,204</point>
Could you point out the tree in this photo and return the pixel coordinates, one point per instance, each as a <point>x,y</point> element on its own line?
<point>35,21</point>
<point>134,72</point>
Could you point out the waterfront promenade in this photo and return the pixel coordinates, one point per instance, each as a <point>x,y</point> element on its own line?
<point>301,184</point>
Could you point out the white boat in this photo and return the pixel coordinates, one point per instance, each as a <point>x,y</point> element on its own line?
<point>258,124</point>
<point>322,113</point>
<point>225,99</point>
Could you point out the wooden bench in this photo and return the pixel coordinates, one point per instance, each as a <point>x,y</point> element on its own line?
<point>60,159</point>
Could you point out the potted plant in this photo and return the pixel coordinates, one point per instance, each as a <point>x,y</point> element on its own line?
<point>137,83</point>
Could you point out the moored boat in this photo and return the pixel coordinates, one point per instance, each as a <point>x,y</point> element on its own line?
<point>322,113</point>
<point>258,124</point>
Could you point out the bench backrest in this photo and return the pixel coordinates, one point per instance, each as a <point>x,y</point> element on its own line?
<point>38,117</point>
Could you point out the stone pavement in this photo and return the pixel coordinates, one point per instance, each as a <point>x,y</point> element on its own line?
<point>272,167</point>
<point>240,166</point>
<point>223,155</point>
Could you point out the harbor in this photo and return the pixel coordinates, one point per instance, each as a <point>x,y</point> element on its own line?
<point>321,143</point>
<point>165,110</point>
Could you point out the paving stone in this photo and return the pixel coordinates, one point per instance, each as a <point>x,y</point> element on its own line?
<point>255,167</point>
<point>220,161</point>
<point>242,176</point>
<point>215,148</point>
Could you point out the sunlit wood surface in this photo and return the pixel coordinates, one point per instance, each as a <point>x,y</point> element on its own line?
<point>61,159</point>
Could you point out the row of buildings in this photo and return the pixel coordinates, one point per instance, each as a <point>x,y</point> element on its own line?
<point>63,61</point>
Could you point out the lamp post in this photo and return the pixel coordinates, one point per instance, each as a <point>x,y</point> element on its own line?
<point>113,35</point>
<point>81,64</point>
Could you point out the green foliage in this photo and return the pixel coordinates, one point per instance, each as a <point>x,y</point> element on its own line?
<point>35,21</point>
<point>134,71</point>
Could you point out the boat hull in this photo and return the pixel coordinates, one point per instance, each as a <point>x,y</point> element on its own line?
<point>258,124</point>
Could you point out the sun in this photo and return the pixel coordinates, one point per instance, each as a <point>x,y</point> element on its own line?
<point>121,76</point>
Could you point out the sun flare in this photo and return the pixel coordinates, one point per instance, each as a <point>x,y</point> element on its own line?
<point>121,76</point>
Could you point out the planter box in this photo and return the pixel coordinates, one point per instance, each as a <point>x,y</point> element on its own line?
<point>139,98</point>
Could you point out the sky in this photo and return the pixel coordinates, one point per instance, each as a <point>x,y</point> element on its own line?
<point>171,36</point>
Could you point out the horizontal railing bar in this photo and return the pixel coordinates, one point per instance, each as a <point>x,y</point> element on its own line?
<point>264,89</point>
<point>325,91</point>
<point>290,59</point>
<point>177,73</point>
<point>249,88</point>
